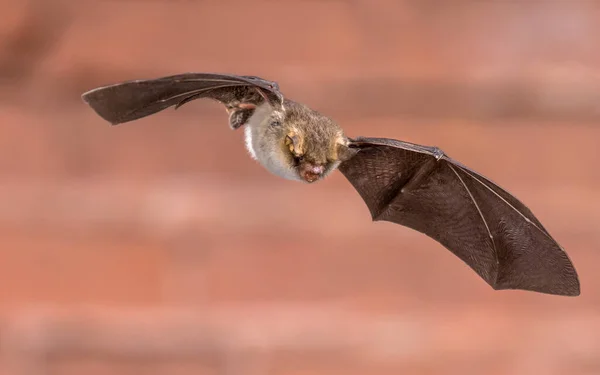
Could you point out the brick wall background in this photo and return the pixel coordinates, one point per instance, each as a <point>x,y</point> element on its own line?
<point>159,247</point>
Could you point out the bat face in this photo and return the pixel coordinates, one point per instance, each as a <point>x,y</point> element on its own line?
<point>416,186</point>
<point>295,142</point>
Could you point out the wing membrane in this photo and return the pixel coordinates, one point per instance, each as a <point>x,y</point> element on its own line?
<point>131,100</point>
<point>485,226</point>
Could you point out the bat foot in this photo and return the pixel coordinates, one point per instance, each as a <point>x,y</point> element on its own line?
<point>240,114</point>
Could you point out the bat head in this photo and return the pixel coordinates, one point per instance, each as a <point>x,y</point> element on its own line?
<point>296,142</point>
<point>312,144</point>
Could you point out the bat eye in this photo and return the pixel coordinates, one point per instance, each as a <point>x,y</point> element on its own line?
<point>276,123</point>
<point>298,159</point>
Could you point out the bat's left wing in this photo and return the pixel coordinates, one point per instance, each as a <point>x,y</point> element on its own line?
<point>489,229</point>
<point>132,100</point>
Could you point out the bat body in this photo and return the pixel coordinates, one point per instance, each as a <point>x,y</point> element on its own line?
<point>416,186</point>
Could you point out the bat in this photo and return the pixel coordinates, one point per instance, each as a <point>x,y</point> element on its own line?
<point>416,186</point>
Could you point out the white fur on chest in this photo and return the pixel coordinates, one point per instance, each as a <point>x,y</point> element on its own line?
<point>248,139</point>
<point>253,127</point>
<point>269,156</point>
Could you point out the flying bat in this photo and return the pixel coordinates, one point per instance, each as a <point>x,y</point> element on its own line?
<point>416,186</point>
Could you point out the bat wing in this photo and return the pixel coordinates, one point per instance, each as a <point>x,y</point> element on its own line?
<point>131,100</point>
<point>489,229</point>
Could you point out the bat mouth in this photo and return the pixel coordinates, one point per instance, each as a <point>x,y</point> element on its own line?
<point>310,172</point>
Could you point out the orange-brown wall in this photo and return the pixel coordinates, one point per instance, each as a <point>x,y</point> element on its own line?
<point>159,247</point>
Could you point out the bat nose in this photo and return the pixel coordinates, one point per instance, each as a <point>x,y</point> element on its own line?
<point>311,173</point>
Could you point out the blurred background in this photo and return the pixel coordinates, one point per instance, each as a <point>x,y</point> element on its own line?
<point>160,247</point>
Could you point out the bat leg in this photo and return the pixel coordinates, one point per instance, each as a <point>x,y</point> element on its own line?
<point>247,106</point>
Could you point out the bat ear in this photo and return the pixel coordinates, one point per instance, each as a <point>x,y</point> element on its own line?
<point>292,139</point>
<point>345,153</point>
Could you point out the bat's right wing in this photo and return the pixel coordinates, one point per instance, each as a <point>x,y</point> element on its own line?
<point>489,229</point>
<point>131,100</point>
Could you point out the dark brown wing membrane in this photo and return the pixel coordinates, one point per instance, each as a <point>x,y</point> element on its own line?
<point>131,100</point>
<point>485,226</point>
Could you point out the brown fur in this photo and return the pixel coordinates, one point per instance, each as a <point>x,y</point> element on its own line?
<point>294,141</point>
<point>318,135</point>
